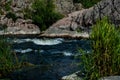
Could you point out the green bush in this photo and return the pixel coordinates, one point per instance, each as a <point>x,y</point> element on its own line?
<point>87,3</point>
<point>43,13</point>
<point>7,6</point>
<point>3,26</point>
<point>105,57</point>
<point>8,60</point>
<point>11,15</point>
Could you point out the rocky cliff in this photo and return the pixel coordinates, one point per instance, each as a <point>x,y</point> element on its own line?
<point>78,23</point>
<point>67,6</point>
<point>12,16</point>
<point>16,10</point>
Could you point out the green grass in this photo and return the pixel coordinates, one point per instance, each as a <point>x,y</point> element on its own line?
<point>8,59</point>
<point>105,57</point>
<point>87,3</point>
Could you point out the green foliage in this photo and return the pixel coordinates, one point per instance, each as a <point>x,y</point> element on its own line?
<point>79,30</point>
<point>87,3</point>
<point>1,12</point>
<point>105,57</point>
<point>43,13</point>
<point>7,6</point>
<point>8,59</point>
<point>3,26</point>
<point>11,15</point>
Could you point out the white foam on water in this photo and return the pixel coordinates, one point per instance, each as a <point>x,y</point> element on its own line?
<point>47,41</point>
<point>21,40</point>
<point>40,41</point>
<point>67,53</point>
<point>23,51</point>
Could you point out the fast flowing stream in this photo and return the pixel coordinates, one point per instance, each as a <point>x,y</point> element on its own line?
<point>55,57</point>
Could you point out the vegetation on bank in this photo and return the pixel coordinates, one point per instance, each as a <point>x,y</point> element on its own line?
<point>5,5</point>
<point>43,13</point>
<point>105,57</point>
<point>12,16</point>
<point>8,59</point>
<point>87,3</point>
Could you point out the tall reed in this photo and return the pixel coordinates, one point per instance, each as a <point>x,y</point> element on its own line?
<point>104,60</point>
<point>8,59</point>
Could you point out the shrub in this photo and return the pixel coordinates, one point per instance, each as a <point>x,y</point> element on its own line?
<point>1,12</point>
<point>11,15</point>
<point>3,26</point>
<point>7,5</point>
<point>105,57</point>
<point>43,13</point>
<point>8,60</point>
<point>87,3</point>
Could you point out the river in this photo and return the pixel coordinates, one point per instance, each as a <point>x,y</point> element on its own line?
<point>55,57</point>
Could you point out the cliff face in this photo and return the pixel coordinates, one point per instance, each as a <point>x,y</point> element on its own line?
<point>77,21</point>
<point>81,21</point>
<point>17,8</point>
<point>67,6</point>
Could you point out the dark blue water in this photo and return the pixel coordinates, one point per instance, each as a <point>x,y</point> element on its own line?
<point>54,58</point>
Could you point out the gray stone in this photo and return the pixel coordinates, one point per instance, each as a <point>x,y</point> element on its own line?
<point>87,17</point>
<point>21,26</point>
<point>111,78</point>
<point>73,76</point>
<point>67,6</point>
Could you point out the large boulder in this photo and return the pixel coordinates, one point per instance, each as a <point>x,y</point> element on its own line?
<point>67,6</point>
<point>81,21</point>
<point>20,26</point>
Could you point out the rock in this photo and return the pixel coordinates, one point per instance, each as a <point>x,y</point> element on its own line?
<point>67,6</point>
<point>78,6</point>
<point>73,76</point>
<point>111,78</point>
<point>55,32</point>
<point>17,7</point>
<point>21,26</point>
<point>64,6</point>
<point>84,19</point>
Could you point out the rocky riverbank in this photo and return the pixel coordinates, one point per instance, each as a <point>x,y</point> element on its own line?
<point>81,21</point>
<point>76,76</point>
<point>76,24</point>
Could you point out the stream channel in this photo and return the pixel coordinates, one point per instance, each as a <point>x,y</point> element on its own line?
<point>55,57</point>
